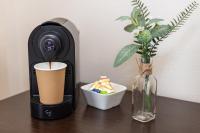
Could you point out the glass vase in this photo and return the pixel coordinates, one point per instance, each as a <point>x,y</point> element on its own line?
<point>144,93</point>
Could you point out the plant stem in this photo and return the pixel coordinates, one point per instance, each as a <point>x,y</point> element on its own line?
<point>147,96</point>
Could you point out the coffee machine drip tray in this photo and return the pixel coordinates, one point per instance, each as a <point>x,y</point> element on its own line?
<point>49,112</point>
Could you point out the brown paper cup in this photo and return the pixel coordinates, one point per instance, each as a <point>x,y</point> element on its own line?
<point>51,82</point>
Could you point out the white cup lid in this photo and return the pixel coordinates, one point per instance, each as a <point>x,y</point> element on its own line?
<point>44,66</point>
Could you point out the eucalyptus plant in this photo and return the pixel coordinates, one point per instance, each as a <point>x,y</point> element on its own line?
<point>148,32</point>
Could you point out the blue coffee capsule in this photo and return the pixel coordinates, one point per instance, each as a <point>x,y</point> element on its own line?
<point>96,90</point>
<point>93,89</point>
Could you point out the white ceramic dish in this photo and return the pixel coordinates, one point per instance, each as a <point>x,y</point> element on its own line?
<point>104,101</point>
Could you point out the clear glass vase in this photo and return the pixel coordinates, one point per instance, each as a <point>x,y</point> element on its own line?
<point>144,93</point>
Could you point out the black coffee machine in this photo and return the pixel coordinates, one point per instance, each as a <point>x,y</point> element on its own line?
<point>54,40</point>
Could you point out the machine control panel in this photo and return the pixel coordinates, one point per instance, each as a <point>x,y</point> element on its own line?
<point>49,45</point>
<point>48,113</point>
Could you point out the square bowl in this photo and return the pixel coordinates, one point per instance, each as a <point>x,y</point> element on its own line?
<point>104,101</point>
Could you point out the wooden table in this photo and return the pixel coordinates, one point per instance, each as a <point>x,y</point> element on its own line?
<point>174,116</point>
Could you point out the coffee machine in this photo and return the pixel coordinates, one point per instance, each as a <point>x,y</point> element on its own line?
<point>54,40</point>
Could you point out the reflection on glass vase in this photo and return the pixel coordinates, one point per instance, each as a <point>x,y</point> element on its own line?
<point>144,93</point>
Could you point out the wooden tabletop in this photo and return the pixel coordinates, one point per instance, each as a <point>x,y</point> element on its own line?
<point>174,116</point>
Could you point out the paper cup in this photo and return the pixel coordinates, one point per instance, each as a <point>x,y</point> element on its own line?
<point>51,82</point>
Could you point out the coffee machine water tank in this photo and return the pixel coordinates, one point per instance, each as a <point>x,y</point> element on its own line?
<point>55,40</point>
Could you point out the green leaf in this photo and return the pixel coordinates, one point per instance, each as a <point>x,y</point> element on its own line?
<point>141,20</point>
<point>144,37</point>
<point>125,53</point>
<point>123,18</point>
<point>130,27</point>
<point>160,30</point>
<point>137,18</point>
<point>134,12</point>
<point>140,52</point>
<point>140,5</point>
<point>152,55</point>
<point>155,20</point>
<point>183,16</point>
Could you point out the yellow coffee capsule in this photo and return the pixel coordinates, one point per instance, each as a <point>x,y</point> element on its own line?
<point>108,87</point>
<point>98,86</point>
<point>104,80</point>
<point>94,84</point>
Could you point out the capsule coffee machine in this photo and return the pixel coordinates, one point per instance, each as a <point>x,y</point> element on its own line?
<point>55,40</point>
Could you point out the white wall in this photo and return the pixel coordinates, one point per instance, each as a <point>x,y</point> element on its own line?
<point>177,66</point>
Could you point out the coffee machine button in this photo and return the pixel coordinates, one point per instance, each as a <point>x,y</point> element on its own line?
<point>48,113</point>
<point>50,45</point>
